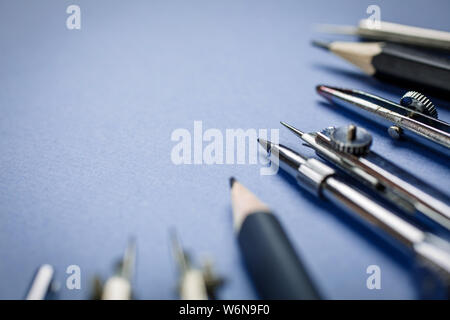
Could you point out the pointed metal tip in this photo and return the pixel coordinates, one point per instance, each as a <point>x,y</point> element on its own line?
<point>265,144</point>
<point>179,254</point>
<point>130,250</point>
<point>232,181</point>
<point>328,92</point>
<point>131,242</point>
<point>293,129</point>
<point>321,44</point>
<point>173,236</point>
<point>174,239</point>
<point>172,231</point>
<point>132,246</point>
<point>320,88</point>
<point>129,259</point>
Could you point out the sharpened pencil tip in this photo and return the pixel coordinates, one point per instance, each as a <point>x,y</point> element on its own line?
<point>244,203</point>
<point>321,44</point>
<point>232,180</point>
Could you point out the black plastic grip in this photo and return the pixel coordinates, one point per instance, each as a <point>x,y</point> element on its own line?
<point>271,260</point>
<point>411,65</point>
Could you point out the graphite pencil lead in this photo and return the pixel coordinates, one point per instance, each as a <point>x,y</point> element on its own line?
<point>232,180</point>
<point>321,44</point>
<point>244,203</point>
<point>293,129</point>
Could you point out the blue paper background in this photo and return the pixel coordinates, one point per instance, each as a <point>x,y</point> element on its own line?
<point>86,118</point>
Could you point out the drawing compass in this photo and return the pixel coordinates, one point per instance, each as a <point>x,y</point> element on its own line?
<point>415,117</point>
<point>348,148</point>
<point>119,286</point>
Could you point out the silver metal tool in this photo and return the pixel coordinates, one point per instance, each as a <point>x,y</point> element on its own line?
<point>195,283</point>
<point>349,149</point>
<point>393,32</point>
<point>41,283</point>
<point>118,287</point>
<point>414,118</point>
<point>320,179</point>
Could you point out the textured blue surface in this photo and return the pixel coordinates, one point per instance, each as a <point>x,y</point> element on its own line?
<point>86,118</point>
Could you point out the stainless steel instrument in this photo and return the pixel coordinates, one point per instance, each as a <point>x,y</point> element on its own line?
<point>414,118</point>
<point>349,149</point>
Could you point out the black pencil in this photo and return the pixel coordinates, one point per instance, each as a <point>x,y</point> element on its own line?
<point>397,63</point>
<point>271,260</point>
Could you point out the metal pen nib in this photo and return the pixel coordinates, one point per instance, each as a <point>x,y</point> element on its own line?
<point>415,118</point>
<point>194,283</point>
<point>179,254</point>
<point>129,260</point>
<point>321,180</point>
<point>398,186</point>
<point>118,287</point>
